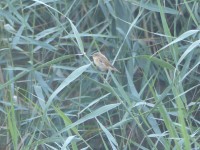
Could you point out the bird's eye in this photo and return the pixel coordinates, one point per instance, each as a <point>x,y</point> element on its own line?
<point>100,61</point>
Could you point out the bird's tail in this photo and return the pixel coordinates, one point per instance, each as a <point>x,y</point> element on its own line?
<point>114,69</point>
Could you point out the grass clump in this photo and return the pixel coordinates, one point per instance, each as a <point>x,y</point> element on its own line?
<point>53,97</point>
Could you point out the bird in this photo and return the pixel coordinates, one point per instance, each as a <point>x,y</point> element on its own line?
<point>102,62</point>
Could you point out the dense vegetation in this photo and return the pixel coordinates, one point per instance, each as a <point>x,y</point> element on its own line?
<point>53,97</point>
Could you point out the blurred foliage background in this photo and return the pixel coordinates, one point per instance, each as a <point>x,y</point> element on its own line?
<point>53,97</point>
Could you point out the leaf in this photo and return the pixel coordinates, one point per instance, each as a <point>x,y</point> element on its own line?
<point>189,49</point>
<point>75,74</point>
<point>111,139</point>
<point>77,36</point>
<point>40,96</point>
<point>93,114</point>
<point>158,61</point>
<point>93,102</point>
<point>181,37</point>
<point>67,142</point>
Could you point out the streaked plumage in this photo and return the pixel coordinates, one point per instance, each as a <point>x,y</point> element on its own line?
<point>102,62</point>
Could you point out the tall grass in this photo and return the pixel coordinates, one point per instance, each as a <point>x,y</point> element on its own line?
<point>53,97</point>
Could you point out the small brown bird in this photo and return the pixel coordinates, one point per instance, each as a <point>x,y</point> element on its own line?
<point>102,62</point>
